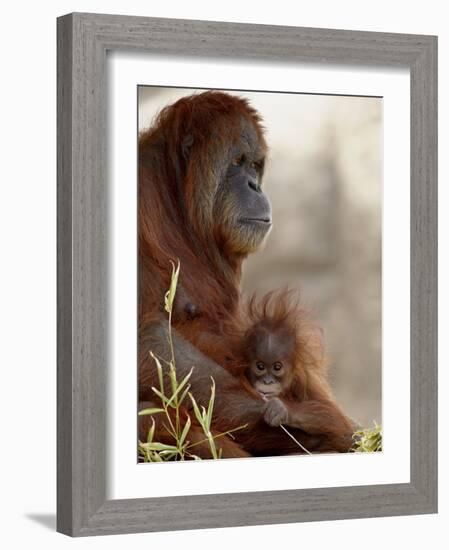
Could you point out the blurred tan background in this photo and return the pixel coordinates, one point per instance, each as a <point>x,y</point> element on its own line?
<point>324,180</point>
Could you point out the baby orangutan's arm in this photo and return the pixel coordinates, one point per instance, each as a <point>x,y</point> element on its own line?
<point>313,417</point>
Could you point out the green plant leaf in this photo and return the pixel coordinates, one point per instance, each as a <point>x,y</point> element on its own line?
<point>160,373</point>
<point>168,455</point>
<point>151,432</point>
<point>153,410</point>
<point>155,457</point>
<point>184,393</point>
<point>173,379</point>
<point>210,408</point>
<point>159,447</point>
<point>179,388</point>
<point>196,410</point>
<point>171,292</point>
<point>212,445</point>
<point>368,440</point>
<point>185,431</point>
<point>162,397</point>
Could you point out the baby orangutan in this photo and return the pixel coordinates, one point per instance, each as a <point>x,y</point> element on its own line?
<point>270,372</point>
<point>283,362</point>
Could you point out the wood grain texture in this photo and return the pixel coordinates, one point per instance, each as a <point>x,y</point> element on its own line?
<point>83,40</point>
<point>423,274</point>
<point>64,277</point>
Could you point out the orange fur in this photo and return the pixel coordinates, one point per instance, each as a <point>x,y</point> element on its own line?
<point>308,396</point>
<point>181,162</point>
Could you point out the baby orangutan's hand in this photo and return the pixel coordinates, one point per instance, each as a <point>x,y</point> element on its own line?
<point>275,412</point>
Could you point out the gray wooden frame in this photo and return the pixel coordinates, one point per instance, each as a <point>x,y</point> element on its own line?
<point>83,40</point>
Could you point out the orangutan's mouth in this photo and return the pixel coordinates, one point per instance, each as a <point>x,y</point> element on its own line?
<point>263,221</point>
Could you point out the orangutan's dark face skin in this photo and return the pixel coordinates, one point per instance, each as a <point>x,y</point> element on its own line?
<point>241,208</point>
<point>270,369</point>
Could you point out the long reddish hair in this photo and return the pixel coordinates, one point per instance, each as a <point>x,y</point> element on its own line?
<point>182,158</point>
<point>282,311</point>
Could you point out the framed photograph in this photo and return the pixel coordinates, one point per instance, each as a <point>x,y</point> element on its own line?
<point>247,283</point>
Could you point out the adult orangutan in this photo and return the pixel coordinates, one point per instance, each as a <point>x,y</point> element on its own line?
<point>201,201</point>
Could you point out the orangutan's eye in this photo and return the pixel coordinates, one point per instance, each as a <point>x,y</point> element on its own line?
<point>277,367</point>
<point>260,367</point>
<point>238,161</point>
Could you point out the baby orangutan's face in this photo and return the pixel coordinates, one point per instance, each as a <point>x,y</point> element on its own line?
<point>270,368</point>
<point>269,379</point>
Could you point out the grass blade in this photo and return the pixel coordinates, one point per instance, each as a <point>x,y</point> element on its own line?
<point>185,431</point>
<point>153,410</point>
<point>159,447</point>
<point>184,393</point>
<point>179,388</point>
<point>210,407</point>
<point>151,432</point>
<point>160,373</point>
<point>196,409</point>
<point>173,379</point>
<point>171,292</point>
<point>161,396</point>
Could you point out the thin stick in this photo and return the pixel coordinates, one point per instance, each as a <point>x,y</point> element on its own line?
<point>289,434</point>
<point>294,439</point>
<point>219,435</point>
